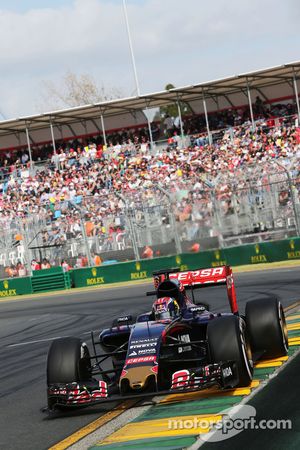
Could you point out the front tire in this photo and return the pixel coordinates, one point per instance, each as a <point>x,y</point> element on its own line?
<point>68,361</point>
<point>228,341</point>
<point>266,323</point>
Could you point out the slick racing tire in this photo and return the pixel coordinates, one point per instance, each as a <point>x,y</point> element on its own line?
<point>227,341</point>
<point>68,361</point>
<point>267,329</point>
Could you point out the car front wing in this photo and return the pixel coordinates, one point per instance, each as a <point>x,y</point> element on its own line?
<point>81,394</point>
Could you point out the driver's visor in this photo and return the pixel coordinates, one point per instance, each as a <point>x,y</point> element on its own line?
<point>162,315</point>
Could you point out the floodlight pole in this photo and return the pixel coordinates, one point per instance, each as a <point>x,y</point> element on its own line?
<point>29,147</point>
<point>131,49</point>
<point>297,96</point>
<point>206,119</point>
<point>103,130</point>
<point>250,106</point>
<point>150,131</point>
<point>52,137</point>
<point>180,121</point>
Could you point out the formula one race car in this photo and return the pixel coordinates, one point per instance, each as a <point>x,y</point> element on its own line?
<point>177,346</point>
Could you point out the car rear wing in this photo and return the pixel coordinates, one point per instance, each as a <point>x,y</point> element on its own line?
<point>199,278</point>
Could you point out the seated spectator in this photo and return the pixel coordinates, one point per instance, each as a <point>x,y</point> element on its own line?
<point>45,264</point>
<point>81,261</point>
<point>195,248</point>
<point>65,265</point>
<point>21,269</point>
<point>11,271</point>
<point>97,259</point>
<point>35,265</point>
<point>147,252</point>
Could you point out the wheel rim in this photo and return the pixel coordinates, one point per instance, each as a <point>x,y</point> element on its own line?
<point>85,362</point>
<point>283,327</point>
<point>246,349</point>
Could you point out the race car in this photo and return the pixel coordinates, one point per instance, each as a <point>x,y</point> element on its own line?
<point>177,346</point>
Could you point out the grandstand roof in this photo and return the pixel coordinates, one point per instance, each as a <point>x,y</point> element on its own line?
<point>269,84</point>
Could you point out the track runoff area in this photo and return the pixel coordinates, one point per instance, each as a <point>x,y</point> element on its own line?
<point>209,419</point>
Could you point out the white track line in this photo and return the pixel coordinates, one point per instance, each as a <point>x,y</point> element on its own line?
<point>35,342</point>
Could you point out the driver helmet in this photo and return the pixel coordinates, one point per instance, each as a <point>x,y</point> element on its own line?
<point>165,308</point>
<point>178,284</point>
<point>182,296</point>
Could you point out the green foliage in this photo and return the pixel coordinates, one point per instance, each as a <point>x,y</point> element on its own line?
<point>172,109</point>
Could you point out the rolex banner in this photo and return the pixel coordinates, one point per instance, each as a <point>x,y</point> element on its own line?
<point>15,286</point>
<point>264,252</point>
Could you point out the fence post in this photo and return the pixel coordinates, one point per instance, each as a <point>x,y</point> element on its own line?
<point>173,222</point>
<point>84,235</point>
<point>86,242</point>
<point>27,252</point>
<point>131,227</point>
<point>297,225</point>
<point>216,219</point>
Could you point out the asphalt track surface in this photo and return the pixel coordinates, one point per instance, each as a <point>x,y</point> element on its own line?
<point>28,326</point>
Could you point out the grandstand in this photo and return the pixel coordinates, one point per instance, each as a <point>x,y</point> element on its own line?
<point>93,180</point>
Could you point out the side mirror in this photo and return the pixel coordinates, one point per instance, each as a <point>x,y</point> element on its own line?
<point>125,319</point>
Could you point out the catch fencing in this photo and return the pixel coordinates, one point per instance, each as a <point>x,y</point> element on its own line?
<point>248,205</point>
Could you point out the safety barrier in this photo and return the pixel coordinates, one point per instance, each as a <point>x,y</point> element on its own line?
<point>287,249</point>
<point>126,271</point>
<point>55,279</point>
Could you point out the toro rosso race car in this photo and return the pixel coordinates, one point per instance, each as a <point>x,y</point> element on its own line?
<point>177,346</point>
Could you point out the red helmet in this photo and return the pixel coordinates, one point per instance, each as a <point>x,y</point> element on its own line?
<point>165,308</point>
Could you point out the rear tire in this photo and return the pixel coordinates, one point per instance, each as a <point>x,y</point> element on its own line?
<point>228,341</point>
<point>267,327</point>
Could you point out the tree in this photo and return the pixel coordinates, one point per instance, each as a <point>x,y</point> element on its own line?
<point>75,90</point>
<point>172,109</point>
